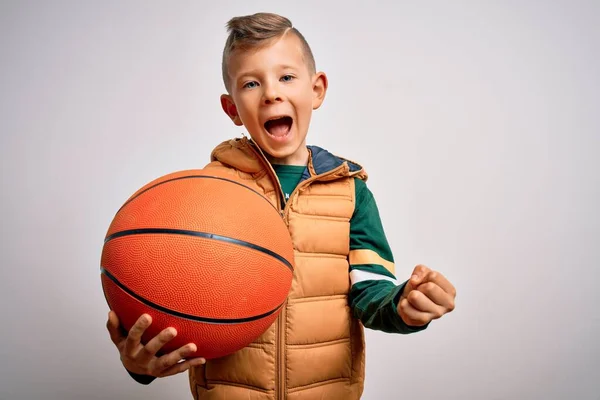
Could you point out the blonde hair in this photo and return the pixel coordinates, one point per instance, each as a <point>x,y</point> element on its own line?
<point>253,31</point>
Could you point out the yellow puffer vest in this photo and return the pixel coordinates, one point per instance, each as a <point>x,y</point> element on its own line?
<point>315,348</point>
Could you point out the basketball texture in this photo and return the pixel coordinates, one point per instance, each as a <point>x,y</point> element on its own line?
<point>202,252</point>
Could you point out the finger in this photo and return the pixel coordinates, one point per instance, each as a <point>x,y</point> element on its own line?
<point>182,366</point>
<point>153,346</point>
<point>169,360</point>
<point>418,274</point>
<point>441,281</point>
<point>411,316</point>
<point>424,304</point>
<point>134,337</point>
<point>113,328</point>
<point>437,295</point>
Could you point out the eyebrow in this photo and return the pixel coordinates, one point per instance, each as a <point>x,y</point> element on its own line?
<point>287,67</point>
<point>246,73</point>
<point>255,72</point>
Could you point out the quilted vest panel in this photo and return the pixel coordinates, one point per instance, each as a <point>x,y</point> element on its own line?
<point>323,352</point>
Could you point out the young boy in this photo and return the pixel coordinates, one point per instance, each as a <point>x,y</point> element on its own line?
<point>344,277</point>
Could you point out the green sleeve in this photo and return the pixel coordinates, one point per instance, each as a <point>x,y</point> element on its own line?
<point>375,292</point>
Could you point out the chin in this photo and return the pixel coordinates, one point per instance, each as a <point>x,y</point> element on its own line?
<point>283,148</point>
<point>280,153</point>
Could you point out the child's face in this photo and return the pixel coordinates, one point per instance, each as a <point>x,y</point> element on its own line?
<point>273,94</point>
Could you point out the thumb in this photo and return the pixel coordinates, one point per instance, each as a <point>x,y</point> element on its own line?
<point>417,277</point>
<point>410,285</point>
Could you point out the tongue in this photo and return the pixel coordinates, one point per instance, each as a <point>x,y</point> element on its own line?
<point>279,127</point>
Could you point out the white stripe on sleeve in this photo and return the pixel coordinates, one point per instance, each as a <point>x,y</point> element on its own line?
<point>357,275</point>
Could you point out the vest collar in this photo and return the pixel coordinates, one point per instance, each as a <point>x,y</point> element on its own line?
<point>243,154</point>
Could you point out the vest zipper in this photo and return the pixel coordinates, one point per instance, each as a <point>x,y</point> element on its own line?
<point>280,383</point>
<point>281,376</point>
<point>271,171</point>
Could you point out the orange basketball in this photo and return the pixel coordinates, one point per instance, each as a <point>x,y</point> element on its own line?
<point>200,251</point>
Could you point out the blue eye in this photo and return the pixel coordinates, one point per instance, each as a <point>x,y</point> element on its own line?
<point>250,85</point>
<point>287,78</point>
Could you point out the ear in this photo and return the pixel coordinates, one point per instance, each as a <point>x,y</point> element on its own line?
<point>230,109</point>
<point>319,89</point>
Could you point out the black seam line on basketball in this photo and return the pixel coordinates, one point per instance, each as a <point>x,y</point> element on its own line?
<point>183,315</point>
<point>197,176</point>
<point>206,235</point>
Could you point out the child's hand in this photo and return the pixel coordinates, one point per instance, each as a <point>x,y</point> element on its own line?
<point>141,359</point>
<point>427,296</point>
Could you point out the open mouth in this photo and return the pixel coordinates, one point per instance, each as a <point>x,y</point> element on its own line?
<point>280,126</point>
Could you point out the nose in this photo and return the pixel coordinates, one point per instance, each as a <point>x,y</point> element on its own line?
<point>271,94</point>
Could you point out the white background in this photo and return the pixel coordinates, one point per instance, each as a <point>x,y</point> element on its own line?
<point>476,120</point>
